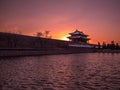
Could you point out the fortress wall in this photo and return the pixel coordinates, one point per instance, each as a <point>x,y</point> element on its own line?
<point>8,40</point>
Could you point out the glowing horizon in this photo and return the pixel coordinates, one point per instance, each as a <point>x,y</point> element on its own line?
<point>99,19</point>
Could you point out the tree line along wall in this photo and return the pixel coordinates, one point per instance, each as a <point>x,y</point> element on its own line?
<point>8,40</point>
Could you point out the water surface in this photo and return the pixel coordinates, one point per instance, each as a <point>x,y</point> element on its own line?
<point>85,71</point>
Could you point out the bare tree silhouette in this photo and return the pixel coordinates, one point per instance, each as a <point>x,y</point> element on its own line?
<point>47,33</point>
<point>39,34</point>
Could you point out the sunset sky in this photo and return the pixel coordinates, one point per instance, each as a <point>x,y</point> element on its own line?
<point>98,18</point>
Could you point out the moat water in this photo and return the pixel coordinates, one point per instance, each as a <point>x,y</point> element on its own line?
<point>85,71</point>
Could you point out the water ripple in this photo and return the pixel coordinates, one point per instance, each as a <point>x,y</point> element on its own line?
<point>92,71</point>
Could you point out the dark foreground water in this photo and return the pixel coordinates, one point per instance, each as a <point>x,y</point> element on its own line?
<point>91,71</point>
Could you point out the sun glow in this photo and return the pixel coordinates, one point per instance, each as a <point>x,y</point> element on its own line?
<point>65,38</point>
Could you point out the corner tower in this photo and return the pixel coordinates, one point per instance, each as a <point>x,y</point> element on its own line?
<point>78,37</point>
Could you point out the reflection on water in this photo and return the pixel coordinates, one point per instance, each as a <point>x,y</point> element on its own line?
<point>91,71</point>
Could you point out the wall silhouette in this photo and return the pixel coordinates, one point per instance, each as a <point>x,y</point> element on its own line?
<point>8,40</point>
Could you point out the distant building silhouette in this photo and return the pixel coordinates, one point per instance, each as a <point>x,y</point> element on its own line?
<point>79,39</point>
<point>78,36</point>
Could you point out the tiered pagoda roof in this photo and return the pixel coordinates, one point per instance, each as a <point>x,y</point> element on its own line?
<point>79,36</point>
<point>77,32</point>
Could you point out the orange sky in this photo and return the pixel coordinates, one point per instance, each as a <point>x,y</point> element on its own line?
<point>98,18</point>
